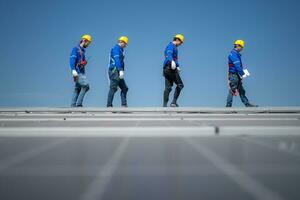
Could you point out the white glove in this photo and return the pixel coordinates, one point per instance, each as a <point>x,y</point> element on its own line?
<point>74,73</point>
<point>121,74</point>
<point>246,72</point>
<point>178,69</point>
<point>244,76</point>
<point>173,65</point>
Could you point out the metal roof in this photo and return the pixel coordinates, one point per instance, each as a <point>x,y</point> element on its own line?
<point>150,153</point>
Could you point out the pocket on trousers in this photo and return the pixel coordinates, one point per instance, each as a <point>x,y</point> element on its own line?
<point>164,72</point>
<point>82,80</point>
<point>167,73</point>
<point>114,75</point>
<point>234,79</point>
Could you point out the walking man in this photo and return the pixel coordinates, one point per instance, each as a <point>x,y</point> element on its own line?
<point>116,72</point>
<point>171,71</point>
<point>78,63</point>
<point>236,73</point>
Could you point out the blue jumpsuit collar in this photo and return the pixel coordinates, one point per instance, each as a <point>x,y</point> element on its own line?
<point>234,50</point>
<point>81,48</point>
<point>117,45</point>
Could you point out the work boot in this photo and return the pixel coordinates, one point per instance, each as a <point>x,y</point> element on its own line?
<point>251,105</point>
<point>174,105</point>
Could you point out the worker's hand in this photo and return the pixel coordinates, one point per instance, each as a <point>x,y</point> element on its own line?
<point>75,78</point>
<point>178,69</point>
<point>75,75</point>
<point>173,65</point>
<point>121,74</point>
<point>244,76</point>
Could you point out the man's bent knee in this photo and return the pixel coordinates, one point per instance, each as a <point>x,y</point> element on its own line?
<point>180,86</point>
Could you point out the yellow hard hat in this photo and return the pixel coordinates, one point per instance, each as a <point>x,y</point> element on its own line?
<point>180,37</point>
<point>240,42</point>
<point>87,37</point>
<point>124,39</point>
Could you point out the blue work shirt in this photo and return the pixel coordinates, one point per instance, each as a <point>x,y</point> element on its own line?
<point>235,63</point>
<point>117,58</point>
<point>171,53</point>
<point>77,56</point>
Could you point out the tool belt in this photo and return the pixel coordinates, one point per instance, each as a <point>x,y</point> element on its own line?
<point>113,70</point>
<point>230,65</point>
<point>82,64</point>
<point>169,67</point>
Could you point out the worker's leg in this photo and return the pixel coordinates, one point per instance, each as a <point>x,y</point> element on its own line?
<point>229,99</point>
<point>168,86</point>
<point>179,86</point>
<point>76,92</point>
<point>233,87</point>
<point>114,82</point>
<point>243,97</point>
<point>82,80</point>
<point>124,90</point>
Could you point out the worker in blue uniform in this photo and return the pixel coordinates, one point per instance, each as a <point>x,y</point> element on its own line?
<point>78,63</point>
<point>116,72</point>
<point>236,73</point>
<point>171,71</point>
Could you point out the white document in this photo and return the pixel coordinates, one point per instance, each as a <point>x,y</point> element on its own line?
<point>121,74</point>
<point>173,65</point>
<point>246,72</point>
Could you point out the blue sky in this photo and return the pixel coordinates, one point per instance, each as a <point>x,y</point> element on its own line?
<point>37,38</point>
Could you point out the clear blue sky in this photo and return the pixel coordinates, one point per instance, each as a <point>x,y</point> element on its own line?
<point>37,38</point>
